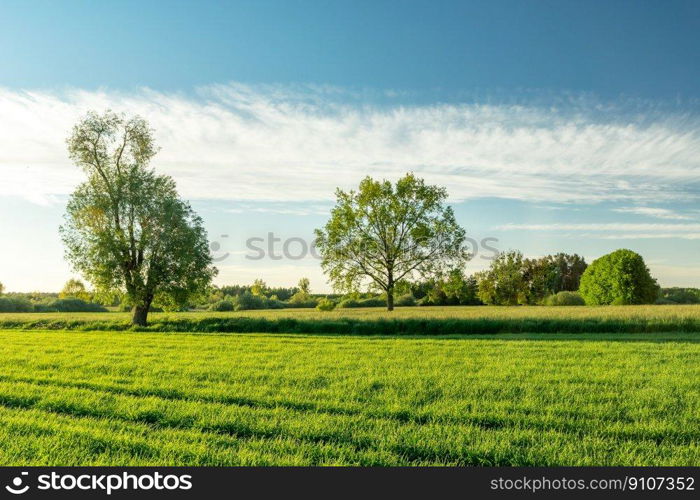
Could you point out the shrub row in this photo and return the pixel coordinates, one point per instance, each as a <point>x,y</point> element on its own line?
<point>22,304</point>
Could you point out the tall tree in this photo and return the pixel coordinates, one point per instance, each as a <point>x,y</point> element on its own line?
<point>570,268</point>
<point>383,233</point>
<point>126,227</point>
<point>504,282</point>
<point>74,289</point>
<point>259,288</point>
<point>304,286</point>
<point>541,277</point>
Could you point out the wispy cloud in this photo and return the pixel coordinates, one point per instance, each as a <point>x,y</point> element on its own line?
<point>285,144</point>
<point>659,213</point>
<point>611,226</point>
<point>281,209</point>
<point>614,230</point>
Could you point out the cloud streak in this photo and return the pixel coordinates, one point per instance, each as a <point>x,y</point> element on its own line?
<point>614,230</point>
<point>659,213</point>
<point>286,144</point>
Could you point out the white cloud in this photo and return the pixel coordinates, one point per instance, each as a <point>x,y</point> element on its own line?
<point>614,230</point>
<point>298,144</point>
<point>287,209</point>
<point>610,226</point>
<point>648,236</point>
<point>659,213</point>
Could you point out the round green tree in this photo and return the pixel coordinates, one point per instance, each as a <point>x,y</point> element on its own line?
<point>620,277</point>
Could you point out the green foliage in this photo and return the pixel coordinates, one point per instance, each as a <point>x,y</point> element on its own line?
<point>21,304</point>
<point>259,288</point>
<point>301,300</point>
<point>565,299</point>
<point>503,283</point>
<point>461,289</point>
<point>126,227</point>
<point>304,286</point>
<point>384,233</point>
<point>325,304</point>
<point>248,301</point>
<point>15,304</point>
<point>74,289</point>
<point>2,288</point>
<point>222,305</point>
<point>618,278</point>
<point>569,269</point>
<point>540,278</point>
<point>368,302</point>
<point>406,300</point>
<point>512,280</point>
<point>679,296</point>
<point>74,305</point>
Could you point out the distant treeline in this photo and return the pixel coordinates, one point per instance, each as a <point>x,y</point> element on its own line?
<point>560,280</point>
<point>455,289</point>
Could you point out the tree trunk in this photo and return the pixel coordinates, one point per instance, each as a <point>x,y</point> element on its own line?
<point>140,315</point>
<point>390,299</point>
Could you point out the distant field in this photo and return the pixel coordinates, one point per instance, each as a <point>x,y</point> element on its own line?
<point>77,398</point>
<point>377,321</point>
<point>673,312</point>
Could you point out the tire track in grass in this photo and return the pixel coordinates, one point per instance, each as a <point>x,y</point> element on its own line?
<point>484,422</point>
<point>142,440</point>
<point>408,451</point>
<point>404,453</point>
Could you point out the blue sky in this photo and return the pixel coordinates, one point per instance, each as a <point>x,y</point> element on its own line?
<point>569,126</point>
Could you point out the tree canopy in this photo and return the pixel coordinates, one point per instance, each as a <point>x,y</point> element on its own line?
<point>74,289</point>
<point>512,279</point>
<point>504,283</point>
<point>383,233</point>
<point>126,227</point>
<point>620,277</point>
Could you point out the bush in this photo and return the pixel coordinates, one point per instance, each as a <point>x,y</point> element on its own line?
<point>325,305</point>
<point>74,305</point>
<point>221,306</point>
<point>426,301</point>
<point>348,303</point>
<point>405,300</point>
<point>565,299</point>
<point>368,302</point>
<point>679,296</point>
<point>302,299</point>
<point>618,278</point>
<point>373,302</point>
<point>247,301</point>
<point>127,307</point>
<point>15,304</point>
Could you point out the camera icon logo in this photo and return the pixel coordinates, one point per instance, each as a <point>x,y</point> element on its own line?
<point>16,488</point>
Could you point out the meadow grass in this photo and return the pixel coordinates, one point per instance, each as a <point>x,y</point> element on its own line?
<point>143,398</point>
<point>403,321</point>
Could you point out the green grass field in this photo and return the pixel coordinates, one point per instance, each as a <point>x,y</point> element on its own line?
<point>404,321</point>
<point>663,312</point>
<point>148,398</point>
